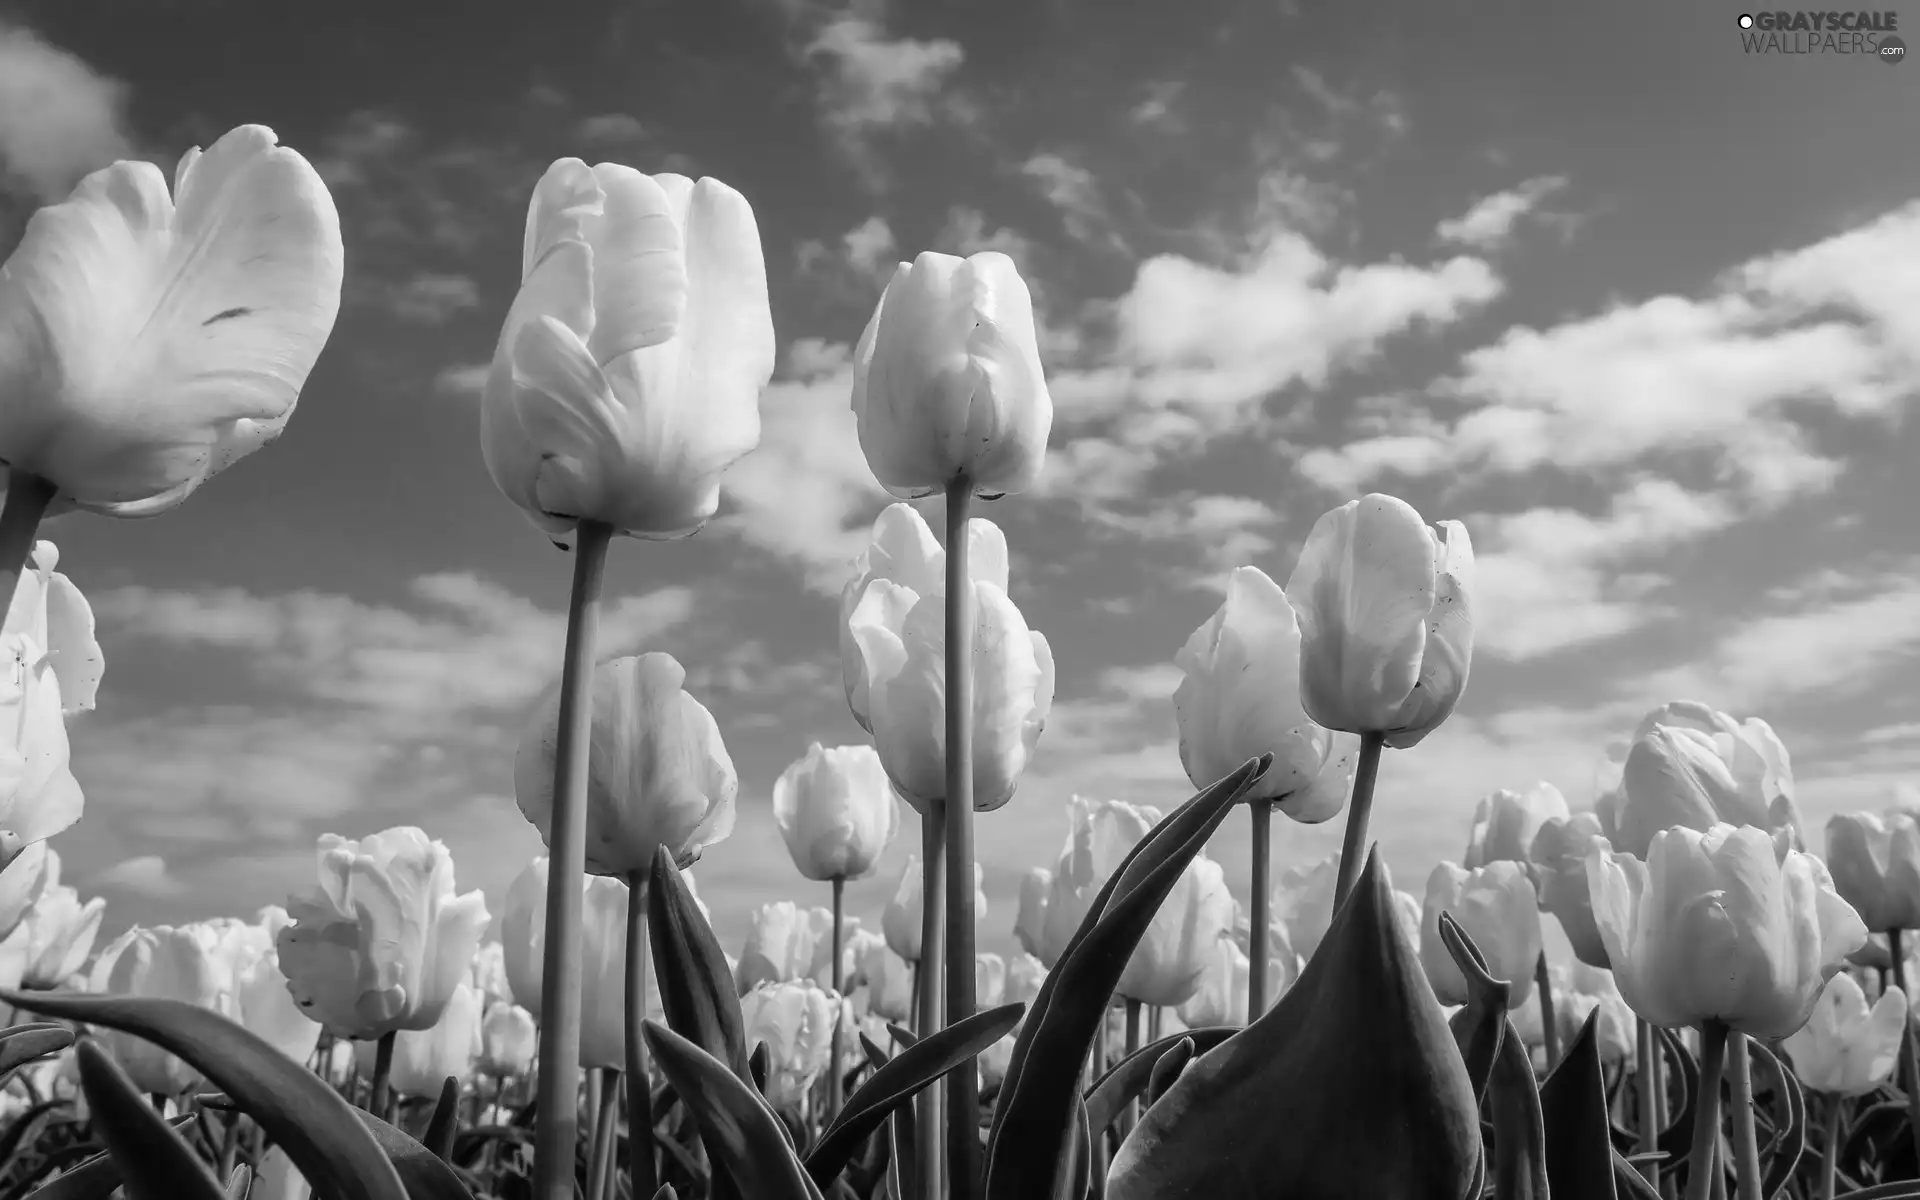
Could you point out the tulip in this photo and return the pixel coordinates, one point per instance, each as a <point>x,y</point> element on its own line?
<point>508,1037</point>
<point>1303,906</point>
<point>1688,764</point>
<point>1845,1048</point>
<point>489,972</point>
<point>163,962</point>
<point>1558,858</point>
<point>947,381</point>
<point>628,372</point>
<point>603,974</point>
<point>1025,974</point>
<point>1100,835</point>
<point>1578,990</point>
<point>422,1059</point>
<point>23,879</point>
<point>1030,922</point>
<point>836,812</point>
<point>904,551</point>
<point>39,796</point>
<point>1717,926</point>
<point>1875,865</point>
<point>278,1179</point>
<point>523,933</point>
<point>1177,948</point>
<point>54,935</point>
<point>381,943</point>
<point>658,773</point>
<point>50,610</point>
<point>1222,995</point>
<point>782,944</point>
<point>254,991</point>
<point>902,646</point>
<point>145,347</point>
<point>1386,636</point>
<point>1506,823</point>
<point>1497,907</point>
<point>795,1021</point>
<point>885,978</point>
<point>900,920</point>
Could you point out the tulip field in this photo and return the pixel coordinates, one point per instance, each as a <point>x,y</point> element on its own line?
<point>1732,1021</point>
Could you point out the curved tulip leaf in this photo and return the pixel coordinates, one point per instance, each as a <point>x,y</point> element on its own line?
<point>216,1101</point>
<point>743,1137</point>
<point>1790,1143</point>
<point>666,1192</point>
<point>900,1080</point>
<point>1905,1189</point>
<point>1038,1098</point>
<point>1573,1109</point>
<point>86,1175</point>
<point>1134,1074</point>
<point>1166,1072</point>
<point>1629,1182</point>
<point>24,1129</point>
<point>1354,1057</point>
<point>169,1169</point>
<point>1519,1131</point>
<point>445,1121</point>
<point>696,988</point>
<point>903,1147</point>
<point>875,1055</point>
<point>901,1035</point>
<point>757,1064</point>
<point>239,1182</point>
<point>426,1175</point>
<point>1480,1026</point>
<point>24,1043</point>
<point>298,1110</point>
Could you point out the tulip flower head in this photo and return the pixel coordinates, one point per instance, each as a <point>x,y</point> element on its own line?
<point>657,771</point>
<point>148,341</point>
<point>1030,922</point>
<point>1875,863</point>
<point>54,935</point>
<point>1498,908</point>
<point>1171,958</point>
<point>253,990</point>
<point>603,974</point>
<point>1506,823</point>
<point>783,942</point>
<point>1386,619</point>
<point>488,972</point>
<point>1302,907</point>
<point>163,962</point>
<point>947,380</point>
<point>508,1039</point>
<point>1721,926</point>
<point>836,811</point>
<point>1578,991</point>
<point>1239,698</point>
<point>900,920</point>
<point>523,928</point>
<point>795,1021</point>
<point>423,1058</point>
<point>23,879</point>
<point>883,978</point>
<point>51,611</point>
<point>383,940</point>
<point>628,373</point>
<point>903,550</point>
<point>1100,835</point>
<point>1558,862</point>
<point>39,796</point>
<point>1691,765</point>
<point>1846,1048</point>
<point>1221,997</point>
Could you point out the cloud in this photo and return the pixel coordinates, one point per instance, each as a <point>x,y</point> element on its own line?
<point>59,118</point>
<point>432,299</point>
<point>865,256</point>
<point>1074,192</point>
<point>1490,223</point>
<point>462,380</point>
<point>1157,110</point>
<point>145,875</point>
<point>872,84</point>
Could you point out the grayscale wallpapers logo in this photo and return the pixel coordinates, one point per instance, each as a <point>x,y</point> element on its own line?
<point>1866,34</point>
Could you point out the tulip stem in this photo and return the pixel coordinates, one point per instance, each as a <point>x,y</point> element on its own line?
<point>1830,1146</point>
<point>1132,1114</point>
<point>1543,983</point>
<point>1701,1166</point>
<point>606,1135</point>
<point>1353,847</point>
<point>927,982</point>
<point>640,1167</point>
<point>1153,1022</point>
<point>28,496</point>
<point>1258,949</point>
<point>1746,1142</point>
<point>834,1081</point>
<point>382,1066</point>
<point>963,1083</point>
<point>557,1131</point>
<point>1645,1063</point>
<point>1907,1068</point>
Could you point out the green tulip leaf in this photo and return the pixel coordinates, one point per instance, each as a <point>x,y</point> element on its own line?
<point>1166,1072</point>
<point>24,1129</point>
<point>1033,1121</point>
<point>875,1055</point>
<point>1519,1133</point>
<point>1573,1107</point>
<point>445,1121</point>
<point>136,1135</point>
<point>696,989</point>
<point>24,1043</point>
<point>1789,1145</point>
<point>317,1128</point>
<point>1134,1074</point>
<point>666,1192</point>
<point>1480,1026</point>
<point>1905,1189</point>
<point>757,1065</point>
<point>426,1175</point>
<point>217,1101</point>
<point>85,1176</point>
<point>743,1137</point>
<point>894,1084</point>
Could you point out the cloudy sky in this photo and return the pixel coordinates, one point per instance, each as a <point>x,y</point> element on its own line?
<point>1641,310</point>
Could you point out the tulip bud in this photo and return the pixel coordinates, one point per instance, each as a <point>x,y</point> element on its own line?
<point>603,974</point>
<point>1169,959</point>
<point>508,1040</point>
<point>381,943</point>
<point>50,611</point>
<point>1386,619</point>
<point>795,1021</point>
<point>947,379</point>
<point>904,551</point>
<point>255,992</point>
<point>780,944</point>
<point>657,772</point>
<point>1498,908</point>
<point>144,347</point>
<point>166,963</point>
<point>628,373</point>
<point>1239,698</point>
<point>1845,1048</point>
<point>1578,990</point>
<point>489,972</point>
<point>1690,765</point>
<point>1721,926</point>
<point>1100,835</point>
<point>1302,907</point>
<point>39,796</point>
<point>1030,923</point>
<point>900,920</point>
<point>1221,998</point>
<point>53,936</point>
<point>836,811</point>
<point>885,978</point>
<point>1025,974</point>
<point>1875,865</point>
<point>23,879</point>
<point>423,1058</point>
<point>1506,823</point>
<point>1558,859</point>
<point>902,640</point>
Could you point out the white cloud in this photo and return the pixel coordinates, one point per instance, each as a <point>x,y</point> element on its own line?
<point>870,245</point>
<point>1074,191</point>
<point>464,380</point>
<point>873,83</point>
<point>1489,224</point>
<point>144,875</point>
<point>59,118</point>
<point>432,299</point>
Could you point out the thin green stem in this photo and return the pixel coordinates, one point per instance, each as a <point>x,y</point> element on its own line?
<point>1830,1145</point>
<point>839,986</point>
<point>1908,1068</point>
<point>1701,1164</point>
<point>606,1136</point>
<point>1543,983</point>
<point>1353,847</point>
<point>963,1083</point>
<point>28,496</point>
<point>1746,1143</point>
<point>1645,1064</point>
<point>1132,1115</point>
<point>1259,952</point>
<point>928,1147</point>
<point>558,1129</point>
<point>640,1164</point>
<point>382,1066</point>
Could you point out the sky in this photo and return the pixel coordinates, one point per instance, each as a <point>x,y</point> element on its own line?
<point>1641,309</point>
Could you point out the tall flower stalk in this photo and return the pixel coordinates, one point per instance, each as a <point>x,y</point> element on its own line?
<point>963,1100</point>
<point>640,1166</point>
